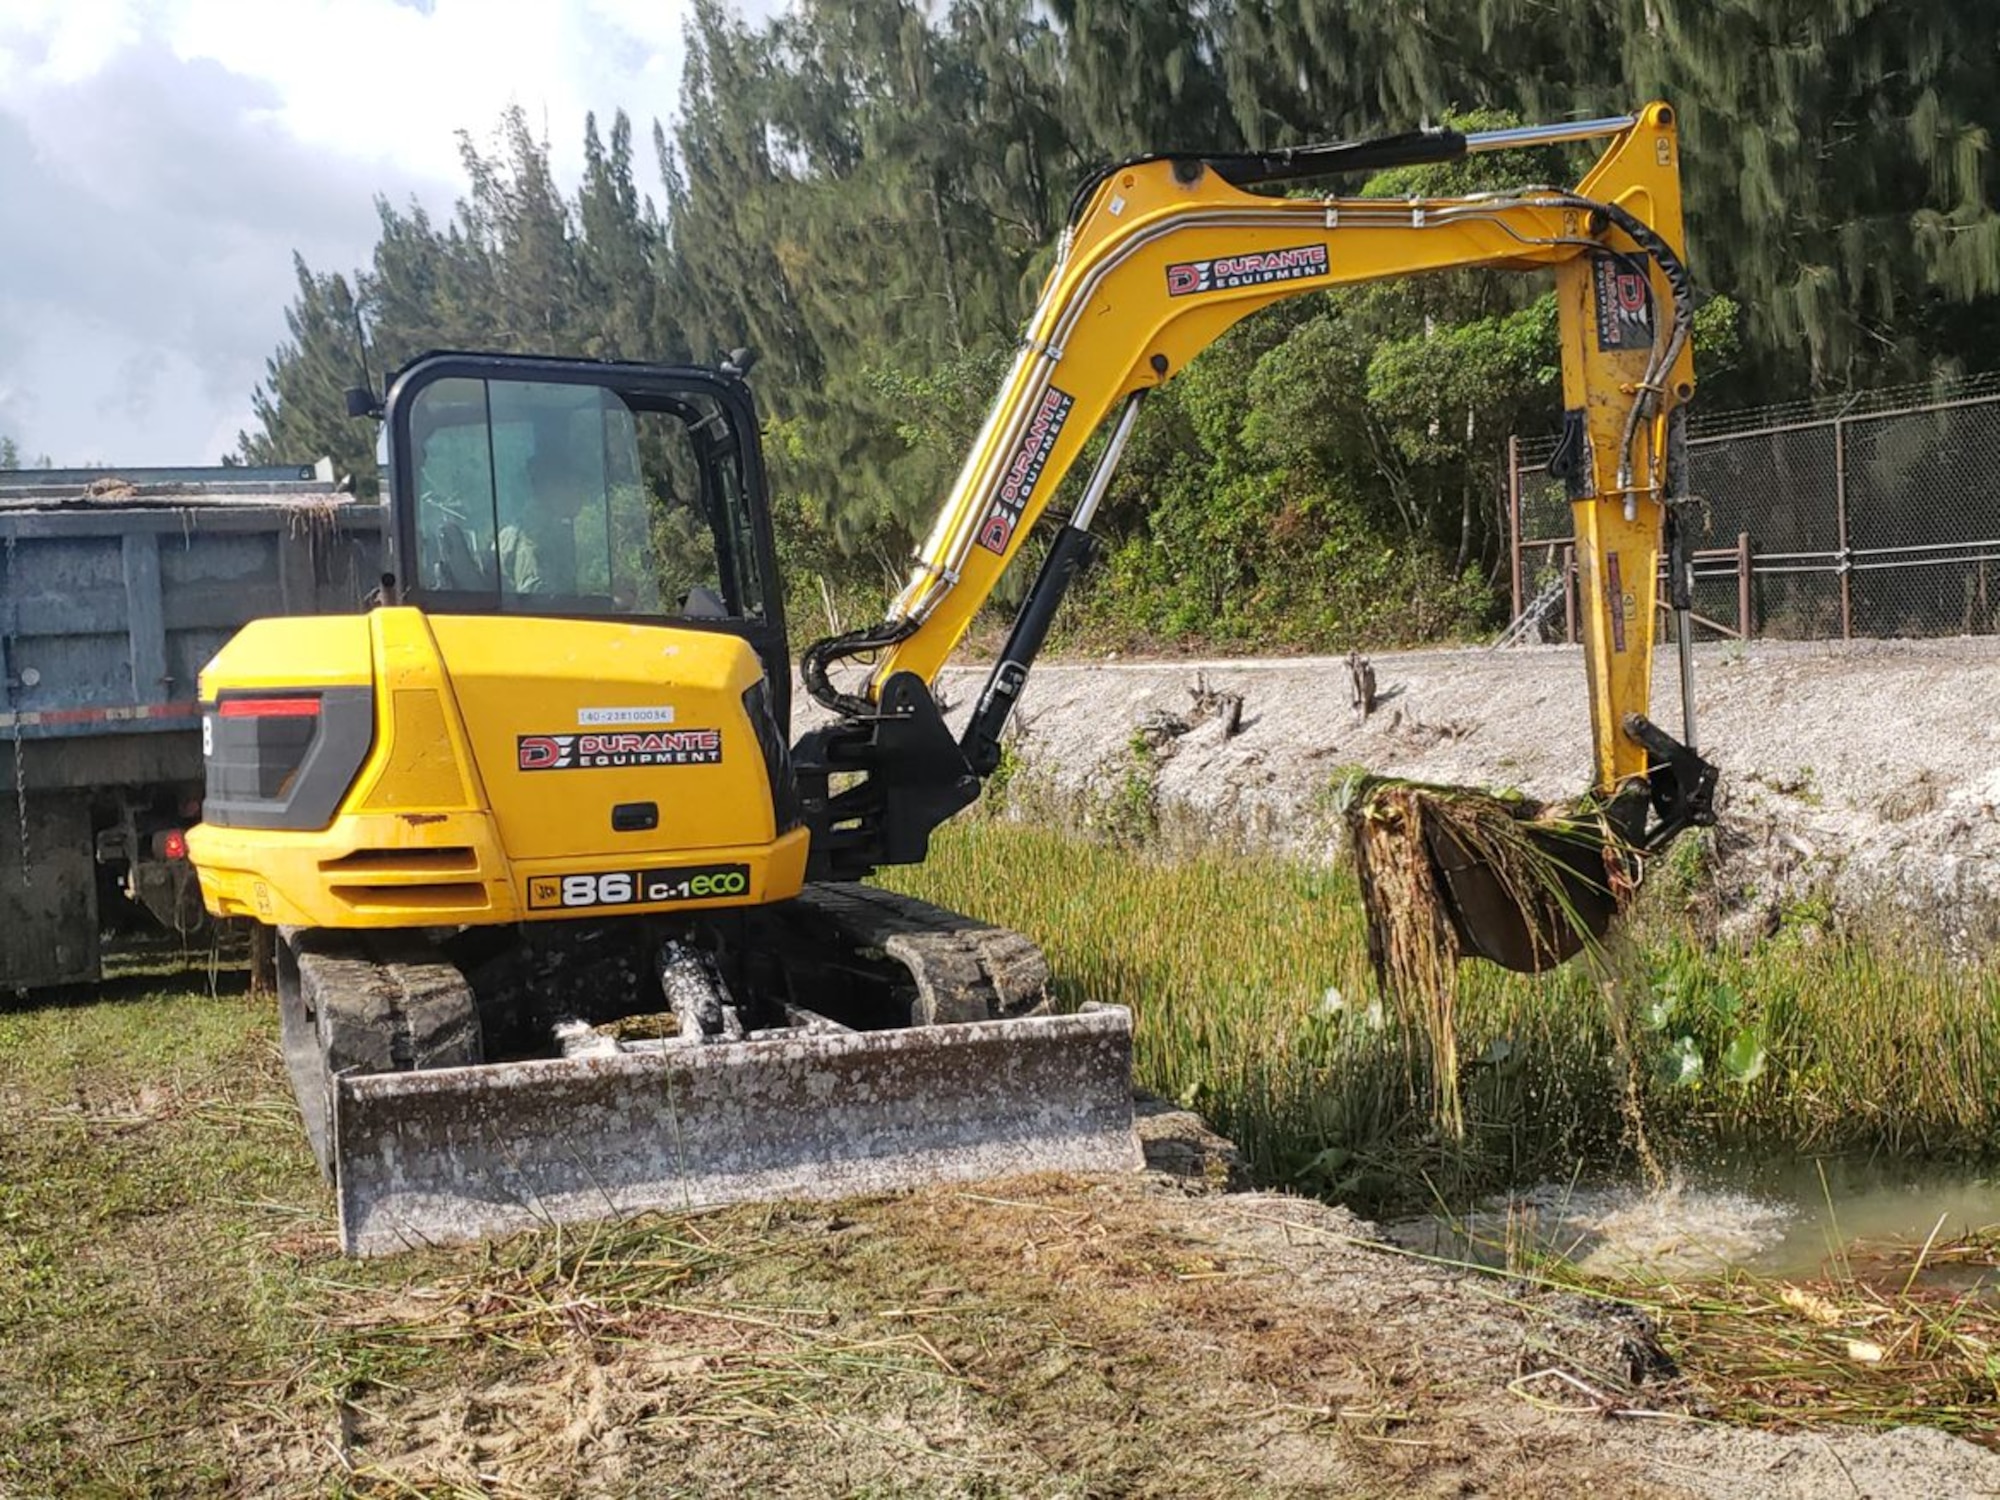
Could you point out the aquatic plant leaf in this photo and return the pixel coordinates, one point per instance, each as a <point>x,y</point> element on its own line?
<point>1743,1059</point>
<point>1329,1161</point>
<point>1680,1065</point>
<point>1724,1003</point>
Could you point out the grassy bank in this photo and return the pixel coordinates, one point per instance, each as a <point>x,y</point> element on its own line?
<point>176,1320</point>
<point>1248,978</point>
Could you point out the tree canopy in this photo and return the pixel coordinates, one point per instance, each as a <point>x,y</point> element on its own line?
<point>868,192</point>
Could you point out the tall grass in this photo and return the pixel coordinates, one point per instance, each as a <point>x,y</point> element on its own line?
<point>1248,979</point>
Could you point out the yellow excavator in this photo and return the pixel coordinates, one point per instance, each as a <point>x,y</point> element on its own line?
<point>570,926</point>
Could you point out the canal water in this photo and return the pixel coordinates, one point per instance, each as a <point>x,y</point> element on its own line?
<point>1796,1220</point>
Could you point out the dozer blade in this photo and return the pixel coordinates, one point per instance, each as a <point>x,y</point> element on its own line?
<point>456,1154</point>
<point>1490,917</point>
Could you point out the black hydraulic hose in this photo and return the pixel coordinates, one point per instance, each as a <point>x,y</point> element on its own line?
<point>1409,148</point>
<point>1679,283</point>
<point>817,660</point>
<point>1293,163</point>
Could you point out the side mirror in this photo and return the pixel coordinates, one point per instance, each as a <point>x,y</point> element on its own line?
<point>362,402</point>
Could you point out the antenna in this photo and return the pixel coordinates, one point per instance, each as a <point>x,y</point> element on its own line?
<point>361,399</point>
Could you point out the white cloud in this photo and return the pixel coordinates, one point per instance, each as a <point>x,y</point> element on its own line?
<point>65,41</point>
<point>161,162</point>
<point>380,81</point>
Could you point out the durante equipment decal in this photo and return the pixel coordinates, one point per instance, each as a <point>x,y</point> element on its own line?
<point>1624,304</point>
<point>587,752</point>
<point>1225,272</point>
<point>997,530</point>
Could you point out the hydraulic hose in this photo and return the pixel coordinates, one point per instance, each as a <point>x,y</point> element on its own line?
<point>817,660</point>
<point>1681,285</point>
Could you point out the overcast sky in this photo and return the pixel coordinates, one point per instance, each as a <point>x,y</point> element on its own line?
<point>160,160</point>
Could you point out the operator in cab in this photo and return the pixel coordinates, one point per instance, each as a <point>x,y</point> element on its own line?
<point>538,553</point>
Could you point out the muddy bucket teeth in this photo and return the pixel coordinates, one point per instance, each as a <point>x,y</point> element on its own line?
<point>457,1154</point>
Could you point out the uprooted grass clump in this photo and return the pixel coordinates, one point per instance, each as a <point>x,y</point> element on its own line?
<point>1896,1333</point>
<point>1518,875</point>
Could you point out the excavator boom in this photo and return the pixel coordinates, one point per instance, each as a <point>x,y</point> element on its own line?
<point>1165,254</point>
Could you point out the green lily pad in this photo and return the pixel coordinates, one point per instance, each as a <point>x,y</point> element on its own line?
<point>1680,1065</point>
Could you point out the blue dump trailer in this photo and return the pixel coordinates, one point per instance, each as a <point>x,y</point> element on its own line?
<point>116,586</point>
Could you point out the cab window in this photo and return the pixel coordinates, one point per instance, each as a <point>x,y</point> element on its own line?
<point>565,498</point>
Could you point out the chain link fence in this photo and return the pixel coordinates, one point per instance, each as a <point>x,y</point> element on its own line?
<point>1874,515</point>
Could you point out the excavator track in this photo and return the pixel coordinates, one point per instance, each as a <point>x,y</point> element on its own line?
<point>879,1042</point>
<point>955,967</point>
<point>366,1002</point>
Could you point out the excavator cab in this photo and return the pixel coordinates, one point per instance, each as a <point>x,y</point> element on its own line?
<point>583,490</point>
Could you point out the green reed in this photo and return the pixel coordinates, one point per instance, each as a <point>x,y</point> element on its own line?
<point>1248,980</point>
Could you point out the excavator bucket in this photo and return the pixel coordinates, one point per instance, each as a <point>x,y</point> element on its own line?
<point>458,1154</point>
<point>1518,884</point>
<point>1526,933</point>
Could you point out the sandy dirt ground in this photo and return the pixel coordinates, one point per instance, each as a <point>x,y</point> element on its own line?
<point>1126,1338</point>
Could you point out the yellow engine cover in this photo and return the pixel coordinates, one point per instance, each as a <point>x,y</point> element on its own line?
<point>519,769</point>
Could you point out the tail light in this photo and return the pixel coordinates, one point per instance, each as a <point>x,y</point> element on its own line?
<point>283,757</point>
<point>172,844</point>
<point>294,706</point>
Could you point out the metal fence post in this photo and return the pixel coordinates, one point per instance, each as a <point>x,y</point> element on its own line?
<point>1514,516</point>
<point>1840,529</point>
<point>1745,600</point>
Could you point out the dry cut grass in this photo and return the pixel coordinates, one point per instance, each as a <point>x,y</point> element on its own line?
<point>1899,1334</point>
<point>180,1322</point>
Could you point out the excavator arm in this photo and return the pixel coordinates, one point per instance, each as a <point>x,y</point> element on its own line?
<point>1161,257</point>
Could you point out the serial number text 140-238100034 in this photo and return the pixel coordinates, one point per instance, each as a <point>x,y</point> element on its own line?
<point>638,887</point>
